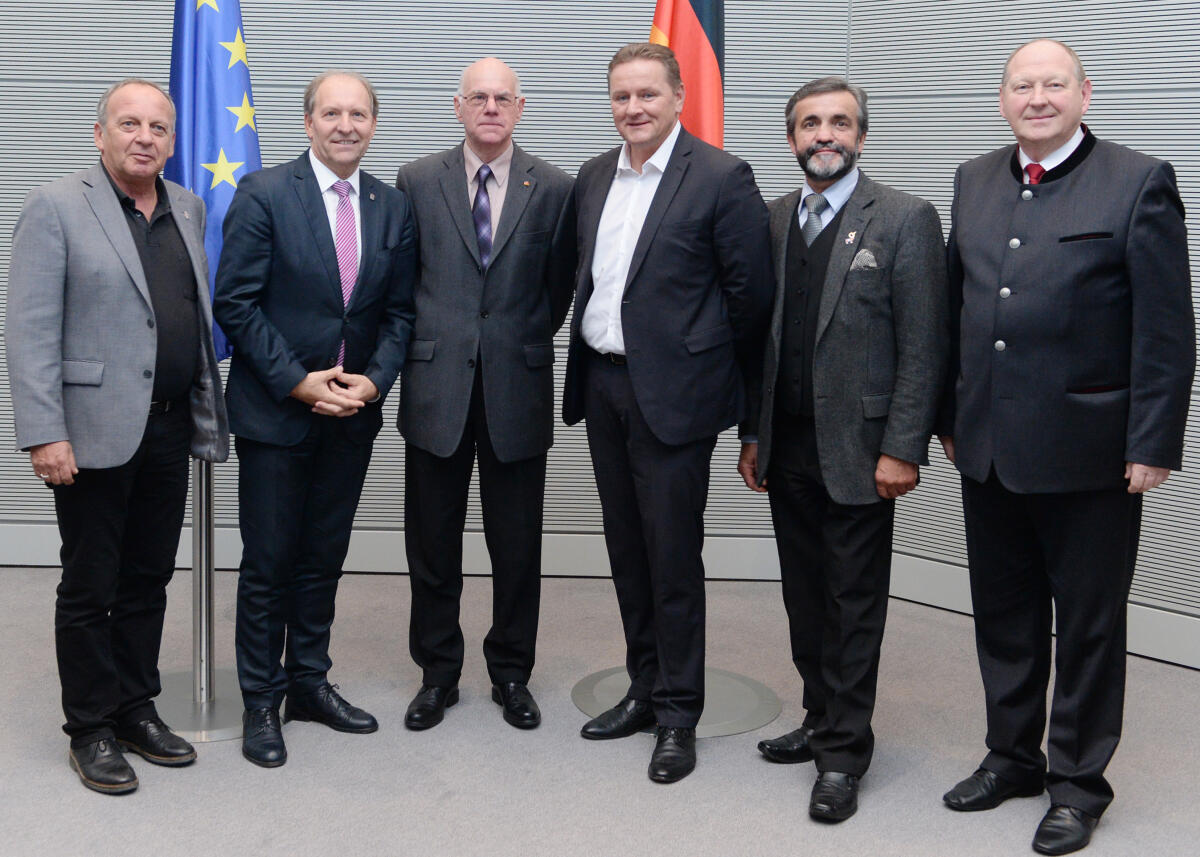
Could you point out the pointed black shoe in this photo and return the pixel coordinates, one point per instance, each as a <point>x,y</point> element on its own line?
<point>1064,829</point>
<point>790,748</point>
<point>986,789</point>
<point>520,710</point>
<point>834,797</point>
<point>626,718</point>
<point>325,705</point>
<point>102,767</point>
<point>429,706</point>
<point>674,755</point>
<point>262,738</point>
<point>155,742</point>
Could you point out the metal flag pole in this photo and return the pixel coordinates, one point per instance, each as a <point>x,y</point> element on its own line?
<point>212,710</point>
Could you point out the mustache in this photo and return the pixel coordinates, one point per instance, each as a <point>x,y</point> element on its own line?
<point>834,146</point>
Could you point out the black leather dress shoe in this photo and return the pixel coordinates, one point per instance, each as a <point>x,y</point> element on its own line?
<point>986,789</point>
<point>674,755</point>
<point>102,767</point>
<point>262,737</point>
<point>1064,829</point>
<point>625,718</point>
<point>429,706</point>
<point>790,748</point>
<point>834,797</point>
<point>519,708</point>
<point>155,742</point>
<point>325,705</point>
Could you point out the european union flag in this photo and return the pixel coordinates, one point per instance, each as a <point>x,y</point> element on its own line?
<point>216,140</point>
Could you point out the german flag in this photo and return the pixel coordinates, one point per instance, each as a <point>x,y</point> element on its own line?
<point>695,31</point>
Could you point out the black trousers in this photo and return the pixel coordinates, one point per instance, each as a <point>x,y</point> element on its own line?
<point>435,511</point>
<point>296,507</point>
<point>120,530</point>
<point>1035,558</point>
<point>652,496</point>
<point>835,563</point>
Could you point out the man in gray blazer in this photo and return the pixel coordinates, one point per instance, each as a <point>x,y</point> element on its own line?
<point>853,370</point>
<point>495,284</point>
<point>114,382</point>
<point>1074,351</point>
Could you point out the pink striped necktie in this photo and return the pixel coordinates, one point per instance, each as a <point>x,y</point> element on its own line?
<point>346,240</point>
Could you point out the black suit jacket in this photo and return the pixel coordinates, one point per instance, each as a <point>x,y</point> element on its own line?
<point>1071,311</point>
<point>698,296</point>
<point>506,316</point>
<point>278,298</point>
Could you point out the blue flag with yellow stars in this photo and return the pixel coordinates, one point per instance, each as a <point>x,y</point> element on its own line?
<point>216,140</point>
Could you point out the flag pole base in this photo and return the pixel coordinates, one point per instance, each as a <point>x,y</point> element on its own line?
<point>219,720</point>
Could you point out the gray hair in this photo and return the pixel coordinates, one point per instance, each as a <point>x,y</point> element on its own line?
<point>310,91</point>
<point>819,87</point>
<point>462,80</point>
<point>102,106</point>
<point>1075,60</point>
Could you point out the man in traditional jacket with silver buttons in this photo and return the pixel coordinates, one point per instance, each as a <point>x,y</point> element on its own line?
<point>1074,354</point>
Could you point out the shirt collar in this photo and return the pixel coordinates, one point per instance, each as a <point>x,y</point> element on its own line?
<point>326,177</point>
<point>660,157</point>
<point>499,165</point>
<point>163,204</point>
<point>1057,156</point>
<point>838,192</point>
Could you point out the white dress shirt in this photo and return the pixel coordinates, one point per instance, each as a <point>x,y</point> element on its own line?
<point>836,195</point>
<point>1056,157</point>
<point>325,179</point>
<point>621,223</point>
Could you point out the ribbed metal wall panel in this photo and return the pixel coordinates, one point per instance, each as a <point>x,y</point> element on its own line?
<point>932,70</point>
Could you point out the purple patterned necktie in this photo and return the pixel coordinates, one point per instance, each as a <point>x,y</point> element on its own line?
<point>346,240</point>
<point>481,212</point>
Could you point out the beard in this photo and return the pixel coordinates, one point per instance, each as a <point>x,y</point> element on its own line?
<point>826,171</point>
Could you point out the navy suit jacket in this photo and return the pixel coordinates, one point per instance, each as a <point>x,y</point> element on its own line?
<point>279,299</point>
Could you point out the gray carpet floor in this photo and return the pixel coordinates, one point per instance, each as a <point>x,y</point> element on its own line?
<point>475,786</point>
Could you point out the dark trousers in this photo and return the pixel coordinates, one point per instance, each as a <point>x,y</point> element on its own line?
<point>296,507</point>
<point>435,511</point>
<point>120,530</point>
<point>1035,558</point>
<point>835,564</point>
<point>652,496</point>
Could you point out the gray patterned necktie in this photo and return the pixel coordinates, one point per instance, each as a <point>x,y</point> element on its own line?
<point>815,203</point>
<point>481,213</point>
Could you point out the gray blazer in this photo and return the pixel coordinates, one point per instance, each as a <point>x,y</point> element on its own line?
<point>505,317</point>
<point>80,337</point>
<point>882,338</point>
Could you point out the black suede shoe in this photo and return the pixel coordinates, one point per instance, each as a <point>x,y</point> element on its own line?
<point>674,755</point>
<point>1064,829</point>
<point>155,742</point>
<point>102,767</point>
<point>625,718</point>
<point>834,797</point>
<point>519,708</point>
<point>429,706</point>
<point>790,748</point>
<point>262,737</point>
<point>986,789</point>
<point>325,705</point>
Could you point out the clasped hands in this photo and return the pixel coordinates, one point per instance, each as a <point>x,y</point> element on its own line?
<point>893,476</point>
<point>335,392</point>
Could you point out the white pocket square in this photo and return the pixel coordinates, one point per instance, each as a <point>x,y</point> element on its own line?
<point>863,260</point>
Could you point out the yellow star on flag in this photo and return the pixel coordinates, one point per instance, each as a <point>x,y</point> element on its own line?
<point>237,50</point>
<point>245,114</point>
<point>212,3</point>
<point>223,170</point>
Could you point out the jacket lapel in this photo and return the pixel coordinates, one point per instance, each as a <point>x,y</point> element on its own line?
<point>193,242</point>
<point>369,193</point>
<point>781,225</point>
<point>521,185</point>
<point>454,189</point>
<point>672,177</point>
<point>846,243</point>
<point>591,207</point>
<point>318,219</point>
<point>107,208</point>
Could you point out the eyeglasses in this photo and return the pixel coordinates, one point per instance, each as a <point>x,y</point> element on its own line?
<point>479,100</point>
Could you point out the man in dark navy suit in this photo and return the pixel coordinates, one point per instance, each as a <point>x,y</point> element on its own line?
<point>315,291</point>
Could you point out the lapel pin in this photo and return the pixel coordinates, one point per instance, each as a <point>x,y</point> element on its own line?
<point>850,237</point>
<point>187,215</point>
<point>372,196</point>
<point>525,183</point>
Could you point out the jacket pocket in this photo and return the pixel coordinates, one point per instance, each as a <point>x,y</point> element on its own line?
<point>88,372</point>
<point>1085,236</point>
<point>705,339</point>
<point>876,406</point>
<point>539,355</point>
<point>421,349</point>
